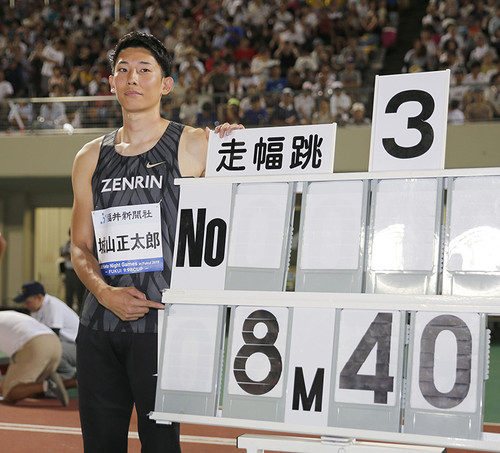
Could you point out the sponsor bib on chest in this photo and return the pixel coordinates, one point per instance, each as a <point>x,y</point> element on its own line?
<point>128,239</point>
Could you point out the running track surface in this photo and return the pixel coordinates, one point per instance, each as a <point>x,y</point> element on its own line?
<point>43,425</point>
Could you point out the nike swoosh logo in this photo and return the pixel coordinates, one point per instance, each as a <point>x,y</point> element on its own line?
<point>150,165</point>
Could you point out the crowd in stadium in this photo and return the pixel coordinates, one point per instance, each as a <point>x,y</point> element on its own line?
<point>258,62</point>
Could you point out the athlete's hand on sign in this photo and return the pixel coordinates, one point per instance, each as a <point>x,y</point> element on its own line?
<point>128,303</point>
<point>224,129</point>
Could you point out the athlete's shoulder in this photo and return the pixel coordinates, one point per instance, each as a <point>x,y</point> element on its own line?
<point>90,148</point>
<point>194,134</point>
<point>89,153</point>
<point>193,148</point>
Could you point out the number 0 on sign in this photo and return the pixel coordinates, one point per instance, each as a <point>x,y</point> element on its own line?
<point>409,121</point>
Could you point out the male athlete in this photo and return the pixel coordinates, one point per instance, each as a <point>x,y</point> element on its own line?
<point>123,186</point>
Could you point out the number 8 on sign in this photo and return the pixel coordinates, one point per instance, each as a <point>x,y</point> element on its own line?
<point>258,350</point>
<point>409,121</point>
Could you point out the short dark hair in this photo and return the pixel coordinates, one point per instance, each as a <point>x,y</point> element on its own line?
<point>145,41</point>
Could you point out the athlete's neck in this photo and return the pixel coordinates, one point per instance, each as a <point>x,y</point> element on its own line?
<point>139,134</point>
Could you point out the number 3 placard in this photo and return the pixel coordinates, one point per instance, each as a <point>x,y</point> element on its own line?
<point>409,121</point>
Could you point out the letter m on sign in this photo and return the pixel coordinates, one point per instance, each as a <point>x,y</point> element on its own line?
<point>300,391</point>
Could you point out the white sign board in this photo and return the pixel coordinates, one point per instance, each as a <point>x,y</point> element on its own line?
<point>445,362</point>
<point>332,225</point>
<point>409,121</point>
<point>367,355</point>
<point>258,352</point>
<point>309,369</point>
<point>257,228</point>
<point>189,354</point>
<point>201,238</point>
<point>282,150</point>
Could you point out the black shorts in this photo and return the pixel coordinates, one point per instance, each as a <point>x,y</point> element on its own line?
<point>116,371</point>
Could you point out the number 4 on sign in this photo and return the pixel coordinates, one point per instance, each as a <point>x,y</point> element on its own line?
<point>409,121</point>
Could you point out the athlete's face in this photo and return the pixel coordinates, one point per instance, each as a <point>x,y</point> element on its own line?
<point>137,79</point>
<point>33,303</point>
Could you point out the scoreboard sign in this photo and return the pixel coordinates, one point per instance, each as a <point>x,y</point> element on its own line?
<point>328,365</point>
<point>273,151</point>
<point>409,121</point>
<point>397,363</point>
<point>202,228</point>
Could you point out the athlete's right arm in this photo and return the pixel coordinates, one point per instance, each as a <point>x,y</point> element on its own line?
<point>128,303</point>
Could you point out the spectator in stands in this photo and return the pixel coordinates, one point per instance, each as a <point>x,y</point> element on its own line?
<point>455,114</point>
<point>53,114</point>
<point>494,23</point>
<point>417,58</point>
<point>358,117</point>
<point>85,77</point>
<point>287,55</point>
<point>353,50</point>
<point>55,314</point>
<point>17,73</point>
<point>6,88</point>
<point>245,102</point>
<point>235,33</point>
<point>304,61</point>
<point>95,87</point>
<point>340,104</point>
<point>489,65</point>
<point>305,103</point>
<point>451,32</point>
<point>478,109</point>
<point>255,114</point>
<point>245,80</point>
<point>286,114</point>
<point>52,55</point>
<point>217,82</point>
<point>451,54</point>
<point>244,52</point>
<point>229,112</point>
<point>58,78</point>
<point>371,25</point>
<point>75,85</point>
<point>276,82</point>
<point>481,48</point>
<point>90,117</point>
<point>458,90</point>
<point>189,108</point>
<point>180,90</point>
<point>35,74</point>
<point>6,91</point>
<point>294,81</point>
<point>84,56</point>
<point>20,115</point>
<point>350,76</point>
<point>475,76</point>
<point>206,117</point>
<point>283,15</point>
<point>492,94</point>
<point>323,115</point>
<point>323,86</point>
<point>262,63</point>
<point>325,34</point>
<point>427,37</point>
